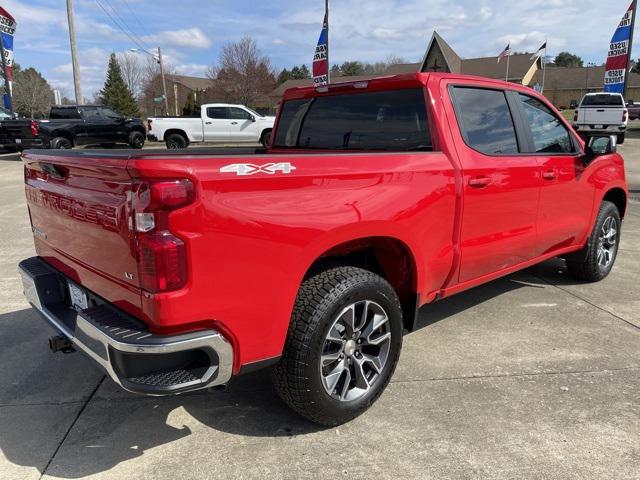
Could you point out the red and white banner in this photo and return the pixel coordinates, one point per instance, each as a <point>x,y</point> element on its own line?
<point>321,57</point>
<point>619,54</point>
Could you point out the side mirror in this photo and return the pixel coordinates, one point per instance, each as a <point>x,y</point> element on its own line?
<point>252,118</point>
<point>600,145</point>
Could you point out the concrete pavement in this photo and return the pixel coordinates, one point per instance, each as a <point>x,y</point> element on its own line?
<point>532,376</point>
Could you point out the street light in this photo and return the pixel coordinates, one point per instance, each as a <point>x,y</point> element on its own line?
<point>157,58</point>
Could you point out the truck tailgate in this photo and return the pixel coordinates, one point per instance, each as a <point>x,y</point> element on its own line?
<point>80,215</point>
<point>600,115</point>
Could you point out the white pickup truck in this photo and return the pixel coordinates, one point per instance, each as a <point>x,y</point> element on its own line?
<point>602,113</point>
<point>218,122</point>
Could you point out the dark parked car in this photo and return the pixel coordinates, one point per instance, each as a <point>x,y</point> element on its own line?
<point>70,126</point>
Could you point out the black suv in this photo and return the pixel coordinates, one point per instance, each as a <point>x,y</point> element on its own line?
<point>70,126</point>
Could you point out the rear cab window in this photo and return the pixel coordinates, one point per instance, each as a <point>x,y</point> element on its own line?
<point>392,120</point>
<point>602,100</point>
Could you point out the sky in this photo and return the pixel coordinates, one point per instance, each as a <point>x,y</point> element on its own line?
<point>192,32</point>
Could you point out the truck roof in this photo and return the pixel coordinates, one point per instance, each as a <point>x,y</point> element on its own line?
<point>406,80</point>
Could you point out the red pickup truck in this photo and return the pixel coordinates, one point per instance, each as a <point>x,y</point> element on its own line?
<point>175,271</point>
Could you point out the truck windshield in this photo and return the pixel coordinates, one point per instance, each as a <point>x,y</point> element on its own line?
<point>602,101</point>
<point>394,120</point>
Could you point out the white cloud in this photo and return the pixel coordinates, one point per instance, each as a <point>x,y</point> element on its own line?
<point>189,37</point>
<point>192,69</point>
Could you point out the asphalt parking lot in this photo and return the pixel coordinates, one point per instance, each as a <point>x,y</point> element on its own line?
<point>531,376</point>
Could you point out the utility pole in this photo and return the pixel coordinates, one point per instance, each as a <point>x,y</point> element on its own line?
<point>634,10</point>
<point>164,82</point>
<point>7,82</point>
<point>74,53</point>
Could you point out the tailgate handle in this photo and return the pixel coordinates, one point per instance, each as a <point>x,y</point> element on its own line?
<point>53,170</point>
<point>600,111</point>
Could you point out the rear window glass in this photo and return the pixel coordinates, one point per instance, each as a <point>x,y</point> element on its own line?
<point>393,120</point>
<point>602,101</point>
<point>64,114</point>
<point>485,120</point>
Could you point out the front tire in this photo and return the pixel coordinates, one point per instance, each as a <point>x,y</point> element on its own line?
<point>176,141</point>
<point>265,138</point>
<point>342,347</point>
<point>621,137</point>
<point>136,140</point>
<point>602,248</point>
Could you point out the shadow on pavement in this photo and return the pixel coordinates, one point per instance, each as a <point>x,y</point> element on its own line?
<point>111,427</point>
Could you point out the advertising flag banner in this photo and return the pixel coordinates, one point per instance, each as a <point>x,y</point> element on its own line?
<point>8,28</point>
<point>321,57</point>
<point>619,54</point>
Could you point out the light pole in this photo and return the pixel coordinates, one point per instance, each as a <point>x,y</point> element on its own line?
<point>158,58</point>
<point>74,53</point>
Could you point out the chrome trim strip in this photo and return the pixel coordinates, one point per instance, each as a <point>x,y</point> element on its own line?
<point>210,339</point>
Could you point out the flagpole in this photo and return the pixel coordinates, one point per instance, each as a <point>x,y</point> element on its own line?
<point>507,75</point>
<point>544,64</point>
<point>326,9</point>
<point>634,9</point>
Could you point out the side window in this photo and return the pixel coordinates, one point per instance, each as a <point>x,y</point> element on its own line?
<point>549,134</point>
<point>218,113</point>
<point>485,120</point>
<point>91,114</point>
<point>239,114</point>
<point>108,113</point>
<point>64,114</point>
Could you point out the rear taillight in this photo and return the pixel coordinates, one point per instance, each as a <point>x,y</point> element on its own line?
<point>575,116</point>
<point>162,257</point>
<point>625,116</point>
<point>35,129</point>
<point>149,124</point>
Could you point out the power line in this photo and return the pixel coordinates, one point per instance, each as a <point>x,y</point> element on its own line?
<point>124,22</point>
<point>131,36</point>
<point>136,18</point>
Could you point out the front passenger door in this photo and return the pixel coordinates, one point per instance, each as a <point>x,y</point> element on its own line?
<point>566,198</point>
<point>242,126</point>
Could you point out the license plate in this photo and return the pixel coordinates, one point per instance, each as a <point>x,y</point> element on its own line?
<point>598,127</point>
<point>18,141</point>
<point>78,297</point>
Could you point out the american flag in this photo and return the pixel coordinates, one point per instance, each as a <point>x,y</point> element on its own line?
<point>505,53</point>
<point>321,57</point>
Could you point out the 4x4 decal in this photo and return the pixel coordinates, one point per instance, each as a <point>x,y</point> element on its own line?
<point>244,169</point>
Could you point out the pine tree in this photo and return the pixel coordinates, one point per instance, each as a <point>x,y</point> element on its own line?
<point>116,94</point>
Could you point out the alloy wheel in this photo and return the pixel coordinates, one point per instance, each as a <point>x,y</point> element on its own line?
<point>355,350</point>
<point>607,243</point>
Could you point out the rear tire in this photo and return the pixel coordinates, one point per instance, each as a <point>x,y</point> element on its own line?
<point>136,140</point>
<point>602,248</point>
<point>61,143</point>
<point>176,141</point>
<point>333,369</point>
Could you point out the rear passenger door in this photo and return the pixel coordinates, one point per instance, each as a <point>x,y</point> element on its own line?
<point>217,124</point>
<point>566,198</point>
<point>501,184</point>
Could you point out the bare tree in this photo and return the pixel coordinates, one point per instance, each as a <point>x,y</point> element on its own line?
<point>242,74</point>
<point>133,72</point>
<point>32,94</point>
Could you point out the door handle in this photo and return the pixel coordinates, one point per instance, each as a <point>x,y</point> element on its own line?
<point>479,182</point>
<point>549,175</point>
<point>234,123</point>
<point>208,123</point>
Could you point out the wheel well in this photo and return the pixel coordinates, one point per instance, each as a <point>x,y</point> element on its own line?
<point>388,257</point>
<point>63,134</point>
<point>265,131</point>
<point>175,130</point>
<point>138,129</point>
<point>618,197</point>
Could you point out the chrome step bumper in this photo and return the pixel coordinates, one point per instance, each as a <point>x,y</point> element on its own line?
<point>134,358</point>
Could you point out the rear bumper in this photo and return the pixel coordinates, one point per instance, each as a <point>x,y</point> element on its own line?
<point>600,129</point>
<point>152,138</point>
<point>22,144</point>
<point>135,359</point>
